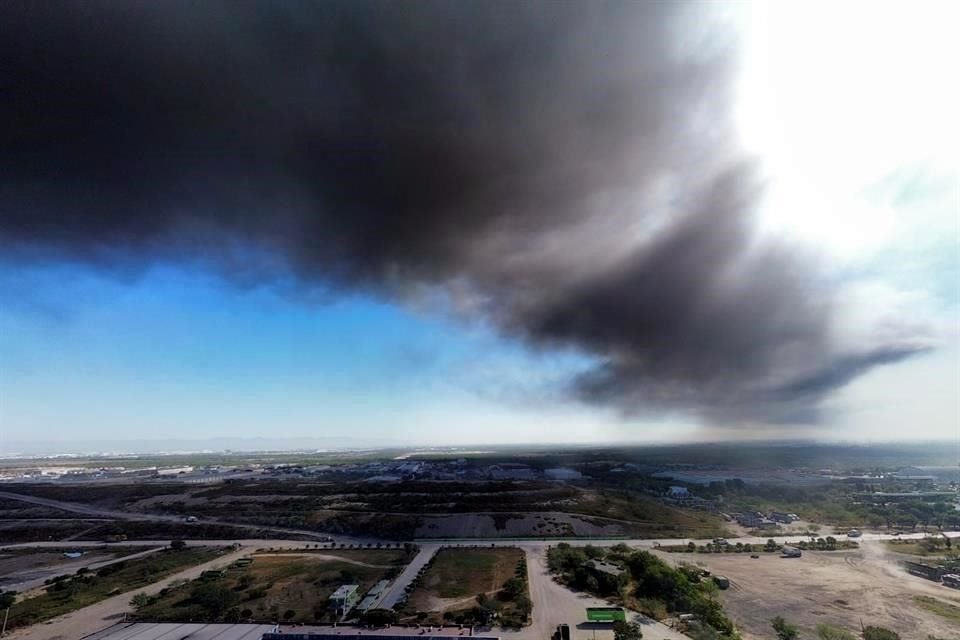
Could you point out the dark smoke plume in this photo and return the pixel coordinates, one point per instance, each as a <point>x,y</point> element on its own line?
<point>562,170</point>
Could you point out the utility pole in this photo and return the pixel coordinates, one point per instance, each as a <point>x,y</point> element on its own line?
<point>5,616</point>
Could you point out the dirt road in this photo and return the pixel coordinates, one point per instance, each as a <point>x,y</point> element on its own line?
<point>837,587</point>
<point>33,578</point>
<point>106,612</point>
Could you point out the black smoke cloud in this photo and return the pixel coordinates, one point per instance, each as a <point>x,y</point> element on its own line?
<point>562,170</point>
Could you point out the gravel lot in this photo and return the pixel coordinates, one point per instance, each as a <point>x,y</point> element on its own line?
<point>839,587</point>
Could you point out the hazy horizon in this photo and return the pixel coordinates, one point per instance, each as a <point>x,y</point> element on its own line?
<point>259,444</point>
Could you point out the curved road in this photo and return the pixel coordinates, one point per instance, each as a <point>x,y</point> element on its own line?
<point>153,517</point>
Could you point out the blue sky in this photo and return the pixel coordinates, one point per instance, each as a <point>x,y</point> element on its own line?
<point>174,353</point>
<point>857,138</point>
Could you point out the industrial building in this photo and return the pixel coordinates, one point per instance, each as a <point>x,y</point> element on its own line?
<point>201,631</point>
<point>196,631</point>
<point>373,597</point>
<point>344,598</point>
<point>604,567</point>
<point>313,635</point>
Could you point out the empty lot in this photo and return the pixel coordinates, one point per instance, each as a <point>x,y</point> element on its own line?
<point>456,576</point>
<point>839,588</point>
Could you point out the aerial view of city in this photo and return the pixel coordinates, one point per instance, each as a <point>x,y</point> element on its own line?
<point>510,320</point>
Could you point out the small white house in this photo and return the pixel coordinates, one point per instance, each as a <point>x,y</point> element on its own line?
<point>678,492</point>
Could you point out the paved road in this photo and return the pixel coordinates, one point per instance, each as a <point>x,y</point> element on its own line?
<point>254,543</point>
<point>453,542</point>
<point>124,515</point>
<point>396,590</point>
<point>32,578</point>
<point>553,603</point>
<point>153,517</point>
<point>107,612</point>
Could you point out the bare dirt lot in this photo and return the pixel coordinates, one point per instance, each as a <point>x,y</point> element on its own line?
<point>840,588</point>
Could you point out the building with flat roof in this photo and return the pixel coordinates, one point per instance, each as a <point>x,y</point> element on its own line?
<point>344,598</point>
<point>241,631</point>
<point>374,596</point>
<point>604,567</point>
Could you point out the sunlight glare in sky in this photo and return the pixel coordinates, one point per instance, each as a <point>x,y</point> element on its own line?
<point>834,100</point>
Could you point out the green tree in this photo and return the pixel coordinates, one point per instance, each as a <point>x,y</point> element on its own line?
<point>592,552</point>
<point>140,600</point>
<point>289,614</point>
<point>626,630</point>
<point>178,545</point>
<point>783,629</point>
<point>214,597</point>
<point>7,598</point>
<point>380,617</point>
<point>592,584</point>
<point>524,605</point>
<point>513,588</point>
<point>879,633</point>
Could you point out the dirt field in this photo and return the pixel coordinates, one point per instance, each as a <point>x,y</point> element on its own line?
<point>840,588</point>
<point>458,575</point>
<point>507,525</point>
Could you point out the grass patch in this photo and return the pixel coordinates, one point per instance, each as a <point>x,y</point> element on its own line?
<point>943,609</point>
<point>473,586</point>
<point>457,573</point>
<point>272,587</point>
<point>69,593</point>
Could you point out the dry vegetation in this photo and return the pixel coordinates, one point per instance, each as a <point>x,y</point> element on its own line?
<point>837,588</point>
<point>288,586</point>
<point>455,578</point>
